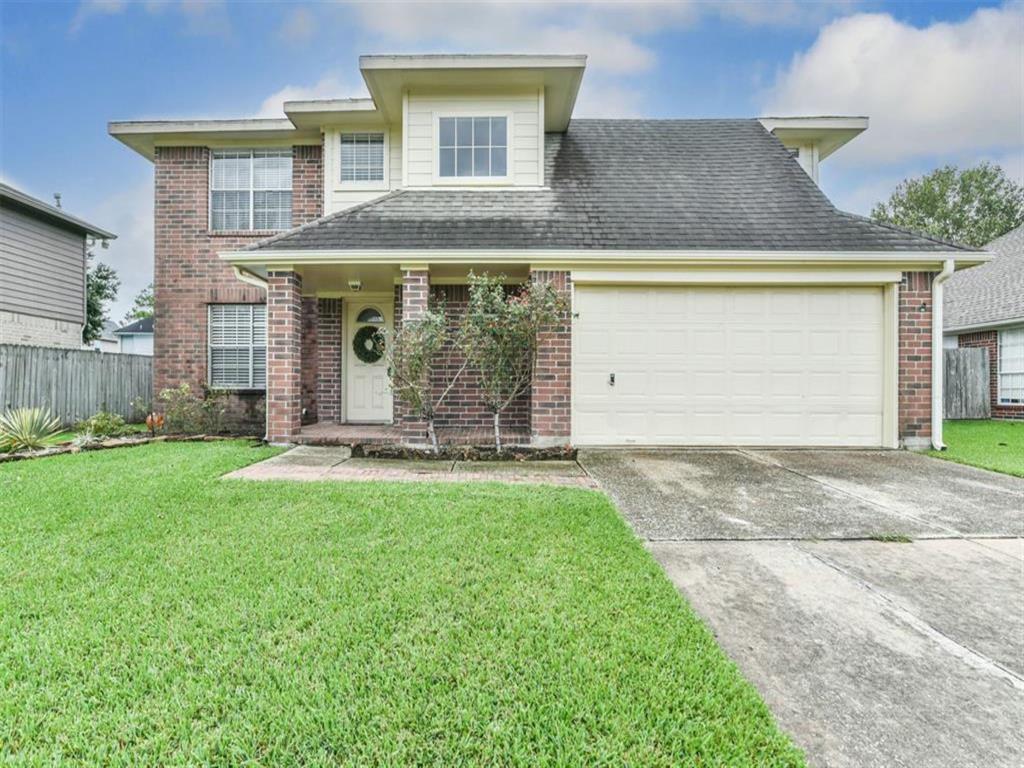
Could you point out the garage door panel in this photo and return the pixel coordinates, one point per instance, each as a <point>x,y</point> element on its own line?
<point>728,365</point>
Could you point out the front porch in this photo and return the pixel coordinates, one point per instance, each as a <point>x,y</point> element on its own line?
<point>321,391</point>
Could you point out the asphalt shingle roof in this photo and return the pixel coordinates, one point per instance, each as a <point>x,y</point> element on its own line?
<point>988,293</point>
<point>142,325</point>
<point>624,184</point>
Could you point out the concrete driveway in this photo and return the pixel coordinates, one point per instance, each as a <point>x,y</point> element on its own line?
<point>870,652</point>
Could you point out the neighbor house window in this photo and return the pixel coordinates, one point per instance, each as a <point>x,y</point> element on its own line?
<point>473,146</point>
<point>251,189</point>
<point>1011,366</point>
<point>238,346</point>
<point>362,157</point>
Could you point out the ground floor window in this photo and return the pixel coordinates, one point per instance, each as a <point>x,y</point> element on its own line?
<point>238,346</point>
<point>1011,366</point>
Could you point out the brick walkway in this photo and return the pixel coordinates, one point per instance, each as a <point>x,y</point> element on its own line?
<point>307,463</point>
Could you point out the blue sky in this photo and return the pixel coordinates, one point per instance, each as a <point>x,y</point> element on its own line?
<point>941,81</point>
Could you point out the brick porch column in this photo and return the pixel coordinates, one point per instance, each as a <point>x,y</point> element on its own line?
<point>328,378</point>
<point>415,295</point>
<point>284,356</point>
<point>551,388</point>
<point>915,359</point>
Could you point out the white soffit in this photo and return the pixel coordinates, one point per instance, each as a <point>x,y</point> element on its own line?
<point>828,132</point>
<point>315,113</point>
<point>145,135</point>
<point>388,77</point>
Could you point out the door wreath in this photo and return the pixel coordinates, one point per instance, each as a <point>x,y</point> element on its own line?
<point>368,344</point>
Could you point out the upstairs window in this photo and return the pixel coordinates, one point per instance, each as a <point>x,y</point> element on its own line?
<point>473,147</point>
<point>238,346</point>
<point>362,157</point>
<point>1011,366</point>
<point>251,189</point>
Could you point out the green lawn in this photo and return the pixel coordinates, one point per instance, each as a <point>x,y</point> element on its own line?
<point>153,614</point>
<point>995,445</point>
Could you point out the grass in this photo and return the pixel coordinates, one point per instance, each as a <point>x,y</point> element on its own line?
<point>153,614</point>
<point>995,445</point>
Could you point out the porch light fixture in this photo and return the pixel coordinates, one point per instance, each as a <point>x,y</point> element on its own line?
<point>355,285</point>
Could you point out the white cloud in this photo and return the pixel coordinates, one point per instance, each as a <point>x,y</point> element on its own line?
<point>945,88</point>
<point>129,215</point>
<point>202,17</point>
<point>327,87</point>
<point>299,26</point>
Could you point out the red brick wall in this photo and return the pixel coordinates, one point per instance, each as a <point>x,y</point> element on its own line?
<point>328,363</point>
<point>188,276</point>
<point>284,361</point>
<point>463,407</point>
<point>915,356</point>
<point>990,340</point>
<point>310,358</point>
<point>551,397</point>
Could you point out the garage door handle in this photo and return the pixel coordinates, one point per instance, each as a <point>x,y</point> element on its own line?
<point>611,379</point>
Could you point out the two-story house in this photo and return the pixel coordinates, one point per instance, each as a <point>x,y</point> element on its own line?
<point>43,254</point>
<point>717,296</point>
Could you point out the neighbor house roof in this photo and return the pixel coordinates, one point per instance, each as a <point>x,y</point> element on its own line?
<point>992,293</point>
<point>143,325</point>
<point>629,185</point>
<point>15,198</point>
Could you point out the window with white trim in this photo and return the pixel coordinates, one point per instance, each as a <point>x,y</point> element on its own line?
<point>1011,366</point>
<point>362,157</point>
<point>238,346</point>
<point>250,189</point>
<point>472,147</point>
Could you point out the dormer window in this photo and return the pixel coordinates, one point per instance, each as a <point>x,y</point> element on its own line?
<point>472,147</point>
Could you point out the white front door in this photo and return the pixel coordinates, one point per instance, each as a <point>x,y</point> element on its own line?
<point>730,365</point>
<point>368,395</point>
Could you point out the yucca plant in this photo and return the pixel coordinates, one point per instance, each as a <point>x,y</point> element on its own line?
<point>26,429</point>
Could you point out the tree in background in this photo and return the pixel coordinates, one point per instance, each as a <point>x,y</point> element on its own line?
<point>972,207</point>
<point>499,337</point>
<point>101,284</point>
<point>142,306</point>
<point>411,352</point>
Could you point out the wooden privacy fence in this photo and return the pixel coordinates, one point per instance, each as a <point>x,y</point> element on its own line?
<point>73,384</point>
<point>966,384</point>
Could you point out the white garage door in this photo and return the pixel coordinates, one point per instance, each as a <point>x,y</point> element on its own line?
<point>728,366</point>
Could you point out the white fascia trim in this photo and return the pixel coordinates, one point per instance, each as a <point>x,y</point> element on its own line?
<point>578,258</point>
<point>471,61</point>
<point>989,326</point>
<point>876,276</point>
<point>207,126</point>
<point>330,105</point>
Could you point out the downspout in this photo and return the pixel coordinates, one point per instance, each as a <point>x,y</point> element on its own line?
<point>252,279</point>
<point>938,367</point>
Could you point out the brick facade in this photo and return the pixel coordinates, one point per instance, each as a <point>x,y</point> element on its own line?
<point>188,276</point>
<point>328,362</point>
<point>915,358</point>
<point>989,340</point>
<point>284,356</point>
<point>551,395</point>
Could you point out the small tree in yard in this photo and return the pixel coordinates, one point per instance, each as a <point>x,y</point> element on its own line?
<point>499,337</point>
<point>411,352</point>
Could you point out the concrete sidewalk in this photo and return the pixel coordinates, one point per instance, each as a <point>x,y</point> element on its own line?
<point>321,463</point>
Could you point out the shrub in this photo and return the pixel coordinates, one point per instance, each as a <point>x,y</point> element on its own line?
<point>103,424</point>
<point>27,429</point>
<point>191,413</point>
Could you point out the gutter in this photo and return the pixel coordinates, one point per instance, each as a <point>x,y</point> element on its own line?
<point>246,276</point>
<point>938,368</point>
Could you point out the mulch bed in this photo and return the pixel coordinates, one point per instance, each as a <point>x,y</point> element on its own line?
<point>465,452</point>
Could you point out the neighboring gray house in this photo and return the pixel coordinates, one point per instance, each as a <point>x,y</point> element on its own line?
<point>984,307</point>
<point>42,260</point>
<point>136,338</point>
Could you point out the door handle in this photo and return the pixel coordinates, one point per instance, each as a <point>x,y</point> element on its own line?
<point>611,379</point>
